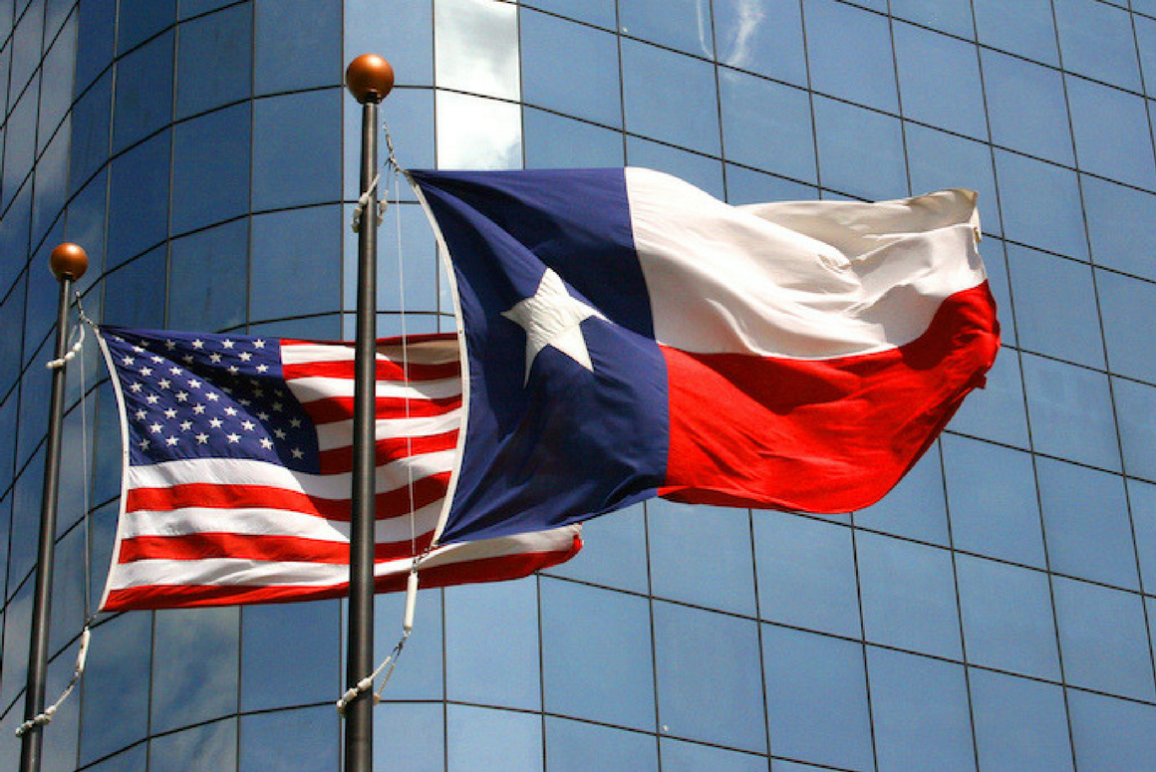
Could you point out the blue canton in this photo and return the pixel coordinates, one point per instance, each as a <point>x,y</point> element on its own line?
<point>189,396</point>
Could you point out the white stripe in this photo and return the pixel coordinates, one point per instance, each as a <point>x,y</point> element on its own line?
<point>312,388</point>
<point>340,433</point>
<point>808,280</point>
<point>256,521</point>
<point>234,572</point>
<point>234,471</point>
<point>427,352</point>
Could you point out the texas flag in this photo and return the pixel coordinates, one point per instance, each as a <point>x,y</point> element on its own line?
<point>628,335</point>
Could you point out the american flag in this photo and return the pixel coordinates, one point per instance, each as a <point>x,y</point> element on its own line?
<point>238,469</point>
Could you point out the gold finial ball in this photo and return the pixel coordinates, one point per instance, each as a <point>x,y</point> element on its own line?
<point>369,78</point>
<point>68,261</point>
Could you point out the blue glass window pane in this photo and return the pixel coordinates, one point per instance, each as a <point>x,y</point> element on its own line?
<point>601,13</point>
<point>850,54</point>
<point>405,31</point>
<point>267,653</point>
<point>68,579</point>
<point>14,227</point>
<point>1104,639</point>
<point>915,508</point>
<point>951,16</point>
<point>994,509</point>
<point>17,629</point>
<point>51,187</point>
<point>208,748</point>
<point>297,149</point>
<point>939,81</point>
<point>908,595</point>
<point>298,45</point>
<point>306,740</point>
<point>195,679</point>
<point>296,242</point>
<point>114,711</point>
<point>612,553</point>
<point>725,580</point>
<point>144,92</point>
<point>768,41</point>
<point>1020,725</point>
<point>699,170</point>
<point>1007,617</point>
<point>1024,27</point>
<point>921,716</point>
<point>11,318</point>
<point>806,573</point>
<point>1071,412</point>
<point>1111,735</point>
<point>209,275</point>
<point>95,41</point>
<point>407,113</point>
<point>42,298</point>
<point>1026,107</point>
<point>190,8</point>
<point>1055,306</point>
<point>139,200</point>
<point>679,756</point>
<point>670,97</point>
<point>214,60</point>
<point>681,24</point>
<point>745,186</point>
<point>1123,301</point>
<point>1112,134</point>
<point>555,142</point>
<point>85,224</point>
<point>817,698</point>
<point>20,145</point>
<point>486,740</point>
<point>1086,523</point>
<point>574,746</point>
<point>132,760</point>
<point>695,656</point>
<point>1121,226</point>
<point>211,168</point>
<point>139,20</point>
<point>1041,205</point>
<point>939,161</point>
<point>767,125</point>
<point>396,733</point>
<point>407,259</point>
<point>1097,41</point>
<point>589,57</point>
<point>1142,497</point>
<point>860,152</point>
<point>136,292</point>
<point>56,83</point>
<point>423,676</point>
<point>493,628</point>
<point>90,133</point>
<point>26,47</point>
<point>605,636</point>
<point>60,752</point>
<point>1146,41</point>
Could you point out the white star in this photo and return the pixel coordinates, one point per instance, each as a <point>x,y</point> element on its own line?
<point>170,345</point>
<point>280,434</point>
<point>170,413</point>
<point>212,397</point>
<point>152,399</point>
<point>127,361</point>
<point>141,415</point>
<point>215,358</point>
<point>198,343</point>
<point>171,441</point>
<point>194,384</point>
<point>199,409</point>
<point>135,387</point>
<point>186,426</point>
<point>245,356</point>
<point>215,423</point>
<point>266,443</point>
<point>262,368</point>
<point>144,444</point>
<point>164,383</point>
<point>552,318</point>
<point>202,438</point>
<point>158,359</point>
<point>233,369</point>
<point>230,411</point>
<point>227,343</point>
<point>146,371</point>
<point>156,428</point>
<point>182,396</point>
<point>297,453</point>
<point>258,343</point>
<point>233,438</point>
<point>248,426</point>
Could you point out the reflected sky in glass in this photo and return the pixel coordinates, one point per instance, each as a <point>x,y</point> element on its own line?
<point>478,133</point>
<point>476,47</point>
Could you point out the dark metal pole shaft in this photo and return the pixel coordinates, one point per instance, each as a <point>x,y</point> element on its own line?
<point>359,661</point>
<point>31,741</point>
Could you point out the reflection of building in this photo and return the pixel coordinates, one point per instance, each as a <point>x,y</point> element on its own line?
<point>991,613</point>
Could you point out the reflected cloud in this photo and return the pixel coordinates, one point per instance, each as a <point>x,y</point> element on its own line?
<point>478,133</point>
<point>736,47</point>
<point>476,47</point>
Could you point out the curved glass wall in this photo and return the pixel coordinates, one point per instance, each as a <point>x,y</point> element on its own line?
<point>995,612</point>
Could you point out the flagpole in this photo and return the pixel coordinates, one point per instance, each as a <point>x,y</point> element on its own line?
<point>68,263</point>
<point>369,79</point>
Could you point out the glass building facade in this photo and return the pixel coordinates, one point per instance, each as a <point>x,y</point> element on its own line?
<point>995,613</point>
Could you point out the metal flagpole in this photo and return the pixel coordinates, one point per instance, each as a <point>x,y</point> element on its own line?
<point>68,263</point>
<point>369,79</point>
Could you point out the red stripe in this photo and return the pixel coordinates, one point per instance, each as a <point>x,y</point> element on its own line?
<point>804,435</point>
<point>333,409</point>
<point>189,596</point>
<point>201,546</point>
<point>395,503</point>
<point>386,371</point>
<point>340,460</point>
